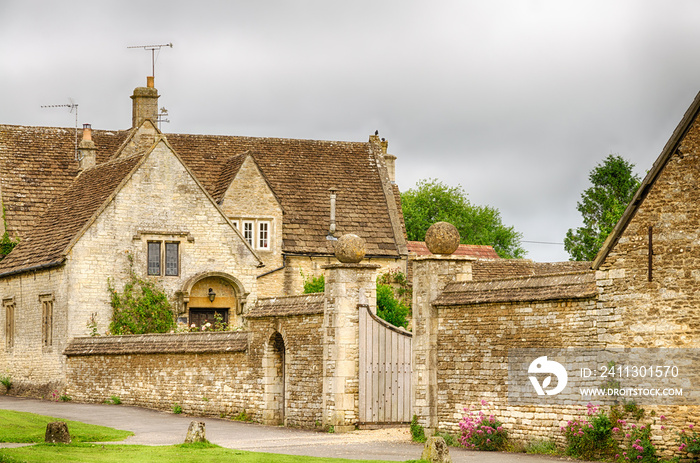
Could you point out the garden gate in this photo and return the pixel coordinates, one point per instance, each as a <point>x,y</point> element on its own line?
<point>385,371</point>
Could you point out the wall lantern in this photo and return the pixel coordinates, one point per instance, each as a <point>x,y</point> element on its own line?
<point>211,295</point>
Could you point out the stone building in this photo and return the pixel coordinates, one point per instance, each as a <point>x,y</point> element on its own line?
<point>640,292</point>
<point>217,221</point>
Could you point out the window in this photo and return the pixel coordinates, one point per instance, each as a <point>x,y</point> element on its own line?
<point>263,235</point>
<point>46,320</point>
<point>248,232</point>
<point>171,259</point>
<point>9,323</point>
<point>256,232</point>
<point>154,257</point>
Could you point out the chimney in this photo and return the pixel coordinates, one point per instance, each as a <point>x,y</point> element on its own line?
<point>390,161</point>
<point>145,103</point>
<point>87,151</point>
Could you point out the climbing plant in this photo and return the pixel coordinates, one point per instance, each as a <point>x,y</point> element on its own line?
<point>140,308</point>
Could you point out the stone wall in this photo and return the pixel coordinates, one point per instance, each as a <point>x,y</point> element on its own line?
<point>472,358</point>
<point>215,373</point>
<point>35,368</point>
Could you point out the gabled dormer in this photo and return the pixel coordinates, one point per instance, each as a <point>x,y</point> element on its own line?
<point>252,206</point>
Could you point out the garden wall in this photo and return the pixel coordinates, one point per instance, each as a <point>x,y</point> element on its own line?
<point>210,373</point>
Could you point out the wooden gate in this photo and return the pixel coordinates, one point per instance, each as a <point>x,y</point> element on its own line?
<point>385,371</point>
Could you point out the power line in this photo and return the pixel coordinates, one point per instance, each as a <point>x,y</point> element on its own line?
<point>542,242</point>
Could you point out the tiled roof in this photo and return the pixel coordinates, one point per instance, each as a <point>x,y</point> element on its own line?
<point>509,268</point>
<point>38,163</point>
<point>46,243</point>
<point>472,250</point>
<point>189,343</point>
<point>288,305</point>
<point>300,172</point>
<point>531,288</point>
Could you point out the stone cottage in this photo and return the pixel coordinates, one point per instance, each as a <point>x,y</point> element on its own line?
<point>217,221</point>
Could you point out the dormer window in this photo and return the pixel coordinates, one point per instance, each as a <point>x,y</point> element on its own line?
<point>256,232</point>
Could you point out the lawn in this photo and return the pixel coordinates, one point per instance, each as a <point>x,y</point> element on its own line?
<point>29,427</point>
<point>183,453</point>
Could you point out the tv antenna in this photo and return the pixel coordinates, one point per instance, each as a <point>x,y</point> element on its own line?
<point>73,106</point>
<point>162,117</point>
<point>153,49</point>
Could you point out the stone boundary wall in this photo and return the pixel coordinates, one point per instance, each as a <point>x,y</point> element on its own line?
<point>472,356</point>
<point>204,373</point>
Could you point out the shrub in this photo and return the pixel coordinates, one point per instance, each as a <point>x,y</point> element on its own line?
<point>140,308</point>
<point>115,400</point>
<point>6,381</point>
<point>389,308</point>
<point>689,441</point>
<point>315,284</point>
<point>177,409</point>
<point>590,438</point>
<point>417,431</point>
<point>542,447</point>
<point>482,431</point>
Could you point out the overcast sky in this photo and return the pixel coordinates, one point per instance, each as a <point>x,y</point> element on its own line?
<point>516,101</point>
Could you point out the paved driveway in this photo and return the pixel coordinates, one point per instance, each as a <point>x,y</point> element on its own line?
<point>160,428</point>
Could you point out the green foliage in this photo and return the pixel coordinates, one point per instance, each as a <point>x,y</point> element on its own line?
<point>689,441</point>
<point>91,325</point>
<point>242,416</point>
<point>315,284</point>
<point>28,427</point>
<point>450,439</point>
<point>115,400</point>
<point>590,439</point>
<point>65,398</point>
<point>542,447</point>
<point>482,430</point>
<point>389,308</point>
<point>398,281</point>
<point>177,409</point>
<point>613,184</point>
<point>432,201</point>
<point>195,452</point>
<point>417,431</point>
<point>7,244</point>
<point>140,308</point>
<point>6,380</point>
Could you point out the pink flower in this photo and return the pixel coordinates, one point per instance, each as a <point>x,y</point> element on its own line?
<point>483,402</point>
<point>663,427</point>
<point>663,417</point>
<point>639,457</point>
<point>690,426</point>
<point>615,429</point>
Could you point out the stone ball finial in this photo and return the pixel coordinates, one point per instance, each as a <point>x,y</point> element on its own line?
<point>442,238</point>
<point>350,249</point>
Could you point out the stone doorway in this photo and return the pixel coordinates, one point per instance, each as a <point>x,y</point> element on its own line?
<point>274,366</point>
<point>211,296</point>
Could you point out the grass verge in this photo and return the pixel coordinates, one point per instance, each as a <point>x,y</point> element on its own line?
<point>25,427</point>
<point>183,453</point>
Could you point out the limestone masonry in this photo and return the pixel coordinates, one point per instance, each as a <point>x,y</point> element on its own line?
<point>232,226</point>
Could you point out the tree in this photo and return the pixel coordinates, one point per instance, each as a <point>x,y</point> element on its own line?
<point>432,201</point>
<point>613,186</point>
